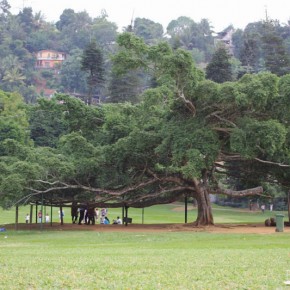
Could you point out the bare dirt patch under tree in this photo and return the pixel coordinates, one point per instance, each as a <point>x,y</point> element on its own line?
<point>219,228</point>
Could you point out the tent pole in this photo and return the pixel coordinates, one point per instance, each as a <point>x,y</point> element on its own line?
<point>185,209</point>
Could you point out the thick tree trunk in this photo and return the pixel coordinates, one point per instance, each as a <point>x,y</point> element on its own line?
<point>204,215</point>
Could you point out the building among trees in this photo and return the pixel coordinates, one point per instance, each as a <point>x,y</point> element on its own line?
<point>49,58</point>
<point>226,38</point>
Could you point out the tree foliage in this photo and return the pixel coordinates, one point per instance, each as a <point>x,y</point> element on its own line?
<point>14,123</point>
<point>92,62</point>
<point>73,78</point>
<point>261,46</point>
<point>147,29</point>
<point>219,68</point>
<point>182,137</point>
<point>47,123</point>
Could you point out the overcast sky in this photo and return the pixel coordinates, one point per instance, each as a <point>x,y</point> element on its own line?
<point>220,13</point>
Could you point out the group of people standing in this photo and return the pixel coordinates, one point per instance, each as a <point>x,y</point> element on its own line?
<point>256,206</point>
<point>90,215</point>
<point>80,215</point>
<point>39,217</point>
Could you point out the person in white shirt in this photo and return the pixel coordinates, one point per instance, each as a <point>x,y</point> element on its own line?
<point>119,221</point>
<point>27,218</point>
<point>263,208</point>
<point>271,206</point>
<point>97,214</point>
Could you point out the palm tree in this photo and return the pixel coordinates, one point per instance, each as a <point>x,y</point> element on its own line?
<point>12,79</point>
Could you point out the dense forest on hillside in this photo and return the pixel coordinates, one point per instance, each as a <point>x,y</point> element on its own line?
<point>222,55</point>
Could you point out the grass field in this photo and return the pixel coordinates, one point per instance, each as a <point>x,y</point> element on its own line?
<point>170,213</point>
<point>183,260</point>
<point>145,260</point>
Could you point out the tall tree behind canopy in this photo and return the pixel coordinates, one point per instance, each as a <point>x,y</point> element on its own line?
<point>4,8</point>
<point>219,68</point>
<point>187,34</point>
<point>105,32</point>
<point>149,30</point>
<point>263,45</point>
<point>277,59</point>
<point>124,87</point>
<point>92,62</point>
<point>73,78</point>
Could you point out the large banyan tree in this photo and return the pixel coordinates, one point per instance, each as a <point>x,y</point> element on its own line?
<point>184,137</point>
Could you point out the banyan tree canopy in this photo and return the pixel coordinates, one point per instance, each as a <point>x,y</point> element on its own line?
<point>160,191</point>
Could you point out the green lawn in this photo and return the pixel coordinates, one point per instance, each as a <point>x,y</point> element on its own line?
<point>126,260</point>
<point>171,213</point>
<point>184,260</point>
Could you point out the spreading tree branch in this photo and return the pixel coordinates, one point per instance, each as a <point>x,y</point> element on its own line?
<point>272,163</point>
<point>215,114</point>
<point>187,102</point>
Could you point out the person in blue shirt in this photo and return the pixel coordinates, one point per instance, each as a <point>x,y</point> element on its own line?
<point>106,221</point>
